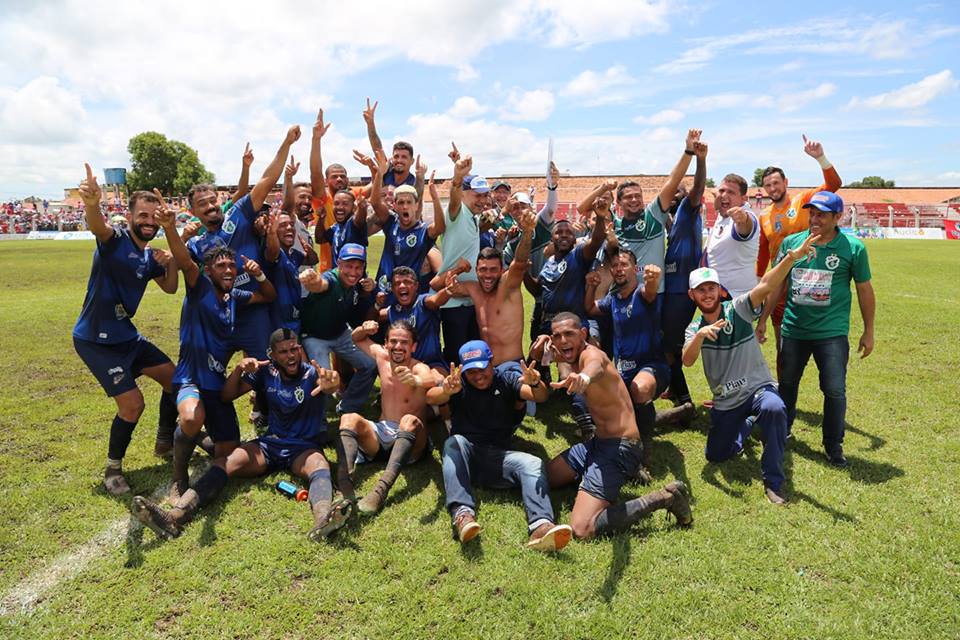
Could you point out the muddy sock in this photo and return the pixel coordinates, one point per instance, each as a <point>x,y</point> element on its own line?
<point>402,447</point>
<point>182,451</point>
<point>121,432</point>
<point>622,515</point>
<point>321,492</point>
<point>210,484</point>
<point>167,422</point>
<point>346,458</point>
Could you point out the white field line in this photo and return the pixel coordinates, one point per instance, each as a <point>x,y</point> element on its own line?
<point>23,597</point>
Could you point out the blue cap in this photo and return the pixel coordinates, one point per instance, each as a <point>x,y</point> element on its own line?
<point>826,201</point>
<point>352,251</point>
<point>475,183</point>
<point>475,354</point>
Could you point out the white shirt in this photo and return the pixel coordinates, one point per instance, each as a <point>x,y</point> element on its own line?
<point>734,258</point>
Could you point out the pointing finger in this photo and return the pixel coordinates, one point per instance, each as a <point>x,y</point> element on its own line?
<point>805,141</point>
<point>89,172</point>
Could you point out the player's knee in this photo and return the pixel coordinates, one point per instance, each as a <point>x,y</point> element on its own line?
<point>352,422</point>
<point>583,528</point>
<point>411,424</point>
<point>641,392</point>
<point>131,406</point>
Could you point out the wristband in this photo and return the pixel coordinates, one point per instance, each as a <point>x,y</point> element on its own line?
<point>260,278</point>
<point>586,379</point>
<point>689,152</point>
<point>549,188</point>
<point>824,163</point>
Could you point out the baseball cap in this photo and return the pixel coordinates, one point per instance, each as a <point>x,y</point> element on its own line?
<point>475,354</point>
<point>703,274</point>
<point>352,251</point>
<point>501,183</point>
<point>475,183</point>
<point>826,201</point>
<point>522,197</point>
<point>405,188</point>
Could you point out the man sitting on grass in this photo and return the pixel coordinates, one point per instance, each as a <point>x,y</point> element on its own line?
<point>296,430</point>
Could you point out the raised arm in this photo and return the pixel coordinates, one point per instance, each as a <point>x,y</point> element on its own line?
<point>831,179</point>
<point>461,167</point>
<point>243,184</point>
<point>377,168</point>
<point>700,177</point>
<point>420,173</point>
<point>318,183</point>
<point>272,173</point>
<point>369,115</point>
<point>90,194</point>
<point>266,292</point>
<point>651,280</point>
<point>313,282</point>
<point>527,221</point>
<point>362,337</point>
<point>235,386</point>
<point>272,238</point>
<point>451,386</point>
<point>773,278</point>
<point>592,281</point>
<point>597,236</point>
<point>587,204</point>
<point>553,184</point>
<point>669,189</point>
<point>181,255</point>
<point>532,387</point>
<point>288,172</point>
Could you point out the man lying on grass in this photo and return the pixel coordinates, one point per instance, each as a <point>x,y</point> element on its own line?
<point>296,430</point>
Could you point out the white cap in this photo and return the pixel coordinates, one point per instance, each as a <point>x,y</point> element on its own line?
<point>522,197</point>
<point>703,274</point>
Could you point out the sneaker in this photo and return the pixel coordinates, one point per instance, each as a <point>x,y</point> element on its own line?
<point>550,537</point>
<point>679,505</point>
<point>466,526</point>
<point>177,490</point>
<point>836,458</point>
<point>114,482</point>
<point>339,513</point>
<point>775,495</point>
<point>157,519</point>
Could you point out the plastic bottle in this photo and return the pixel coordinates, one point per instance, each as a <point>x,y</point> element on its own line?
<point>291,491</point>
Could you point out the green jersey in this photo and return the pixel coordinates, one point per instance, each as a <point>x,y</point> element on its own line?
<point>818,288</point>
<point>325,315</point>
<point>644,236</point>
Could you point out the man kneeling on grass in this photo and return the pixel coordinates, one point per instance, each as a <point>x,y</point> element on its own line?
<point>400,437</point>
<point>744,393</point>
<point>487,406</point>
<point>295,432</point>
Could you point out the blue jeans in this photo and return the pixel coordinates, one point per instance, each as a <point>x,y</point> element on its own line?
<point>831,355</point>
<point>465,463</point>
<point>730,427</point>
<point>364,366</point>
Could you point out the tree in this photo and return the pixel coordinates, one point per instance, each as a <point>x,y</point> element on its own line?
<point>168,165</point>
<point>871,182</point>
<point>711,183</point>
<point>758,177</point>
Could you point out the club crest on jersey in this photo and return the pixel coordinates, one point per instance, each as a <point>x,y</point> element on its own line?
<point>628,311</point>
<point>728,328</point>
<point>298,394</point>
<point>412,320</point>
<point>832,261</point>
<point>641,225</point>
<point>791,213</point>
<point>213,364</point>
<point>411,240</point>
<point>120,312</point>
<point>383,283</point>
<point>229,226</point>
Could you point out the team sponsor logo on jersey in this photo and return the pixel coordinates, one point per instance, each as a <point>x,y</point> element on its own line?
<point>411,240</point>
<point>241,279</point>
<point>791,213</point>
<point>298,395</point>
<point>561,267</point>
<point>730,386</point>
<point>626,365</point>
<point>832,261</point>
<point>120,312</point>
<point>213,364</point>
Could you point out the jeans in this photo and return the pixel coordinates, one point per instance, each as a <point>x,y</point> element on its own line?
<point>729,428</point>
<point>459,325</point>
<point>365,367</point>
<point>465,463</point>
<point>831,355</point>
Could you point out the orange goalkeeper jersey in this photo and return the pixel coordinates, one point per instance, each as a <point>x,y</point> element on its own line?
<point>779,221</point>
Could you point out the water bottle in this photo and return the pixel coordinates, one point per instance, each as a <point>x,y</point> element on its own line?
<point>291,491</point>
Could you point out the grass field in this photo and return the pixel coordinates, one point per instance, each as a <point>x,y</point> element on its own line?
<point>868,552</point>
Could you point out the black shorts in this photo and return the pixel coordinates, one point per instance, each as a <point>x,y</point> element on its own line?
<point>117,366</point>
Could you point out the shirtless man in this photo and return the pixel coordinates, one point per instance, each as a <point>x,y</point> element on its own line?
<point>496,294</point>
<point>603,463</point>
<point>400,436</point>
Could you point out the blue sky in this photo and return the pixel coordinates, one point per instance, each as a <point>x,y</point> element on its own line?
<point>616,84</point>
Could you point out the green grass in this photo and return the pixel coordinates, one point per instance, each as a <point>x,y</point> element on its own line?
<point>870,552</point>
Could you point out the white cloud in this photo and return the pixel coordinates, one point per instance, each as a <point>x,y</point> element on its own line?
<point>793,101</point>
<point>911,96</point>
<point>574,22</point>
<point>667,116</point>
<point>466,107</point>
<point>41,112</point>
<point>717,101</point>
<point>466,73</point>
<point>528,105</point>
<point>599,88</point>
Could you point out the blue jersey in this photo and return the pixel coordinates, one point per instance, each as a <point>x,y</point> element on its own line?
<point>341,234</point>
<point>118,278</point>
<point>402,248</point>
<point>488,239</point>
<point>427,325</point>
<point>684,248</point>
<point>563,283</point>
<point>207,323</point>
<point>295,418</point>
<point>238,233</point>
<point>284,274</point>
<point>636,328</point>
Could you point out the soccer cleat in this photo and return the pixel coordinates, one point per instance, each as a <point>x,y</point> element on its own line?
<point>466,526</point>
<point>155,517</point>
<point>550,537</point>
<point>775,496</point>
<point>373,501</point>
<point>339,513</point>
<point>682,414</point>
<point>114,482</point>
<point>163,449</point>
<point>679,504</point>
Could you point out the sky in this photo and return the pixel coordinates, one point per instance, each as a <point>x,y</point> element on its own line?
<point>616,84</point>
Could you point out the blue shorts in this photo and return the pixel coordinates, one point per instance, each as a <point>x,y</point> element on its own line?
<point>221,418</point>
<point>604,464</point>
<point>659,370</point>
<point>386,431</point>
<point>280,455</point>
<point>253,330</point>
<point>117,366</point>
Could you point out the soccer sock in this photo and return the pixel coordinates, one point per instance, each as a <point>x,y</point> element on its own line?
<point>622,515</point>
<point>121,432</point>
<point>646,415</point>
<point>402,447</point>
<point>167,422</point>
<point>347,447</point>
<point>182,450</point>
<point>321,492</point>
<point>210,484</point>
